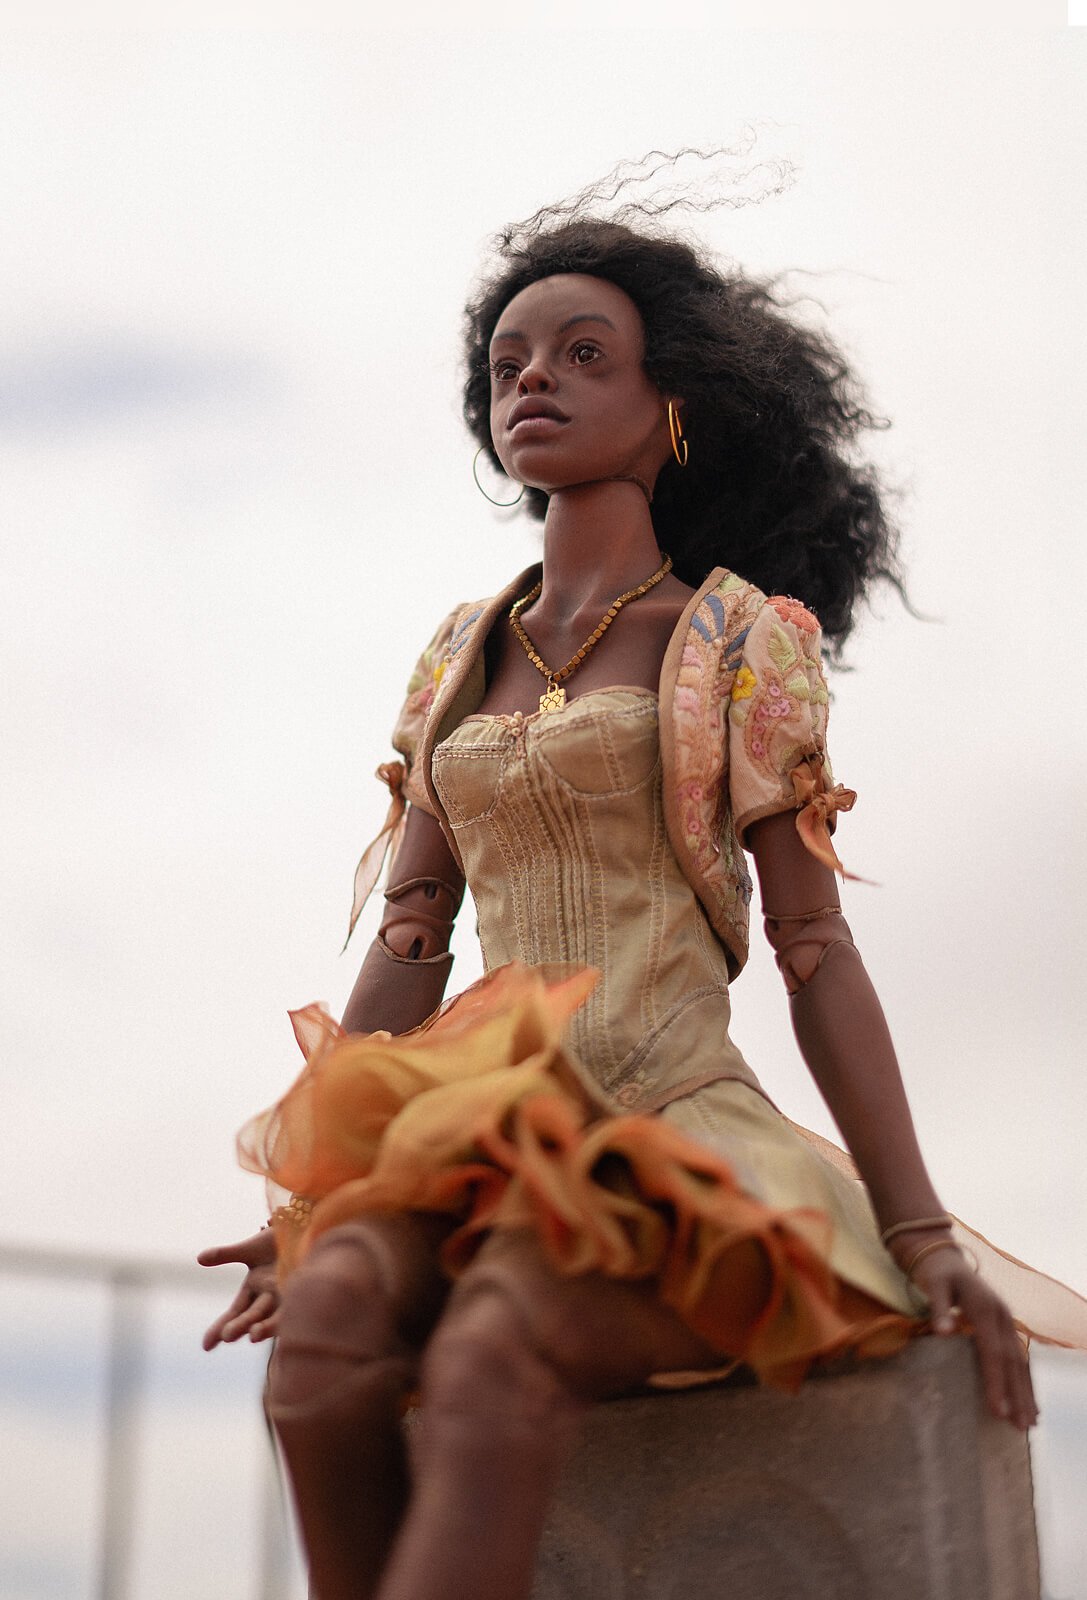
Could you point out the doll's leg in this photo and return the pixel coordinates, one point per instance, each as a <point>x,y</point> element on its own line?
<point>516,1359</point>
<point>355,1315</point>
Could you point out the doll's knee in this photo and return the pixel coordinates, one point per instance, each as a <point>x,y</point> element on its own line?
<point>340,1290</point>
<point>484,1360</point>
<point>365,1295</point>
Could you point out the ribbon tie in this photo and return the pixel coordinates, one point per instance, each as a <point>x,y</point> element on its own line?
<point>393,774</point>
<point>815,805</point>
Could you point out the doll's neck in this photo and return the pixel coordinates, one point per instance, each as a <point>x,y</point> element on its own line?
<point>598,542</point>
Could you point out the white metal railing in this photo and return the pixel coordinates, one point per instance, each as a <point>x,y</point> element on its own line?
<point>273,1570</point>
<point>129,1283</point>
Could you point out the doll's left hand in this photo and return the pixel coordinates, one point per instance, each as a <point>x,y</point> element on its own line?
<point>960,1301</point>
<point>255,1308</point>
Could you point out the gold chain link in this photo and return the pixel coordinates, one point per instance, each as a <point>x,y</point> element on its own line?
<point>554,698</point>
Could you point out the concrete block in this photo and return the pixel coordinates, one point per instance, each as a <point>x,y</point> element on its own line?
<point>887,1482</point>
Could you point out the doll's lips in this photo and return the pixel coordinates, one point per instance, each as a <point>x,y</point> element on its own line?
<point>536,412</point>
<point>535,428</point>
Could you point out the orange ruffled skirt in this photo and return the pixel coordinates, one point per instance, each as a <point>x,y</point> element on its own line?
<point>481,1116</point>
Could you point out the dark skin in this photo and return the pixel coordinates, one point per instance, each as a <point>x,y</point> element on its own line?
<point>574,414</point>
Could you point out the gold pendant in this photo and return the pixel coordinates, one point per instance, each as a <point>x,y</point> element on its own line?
<point>553,698</point>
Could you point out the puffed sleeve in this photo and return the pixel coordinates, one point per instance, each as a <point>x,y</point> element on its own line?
<point>422,686</point>
<point>777,730</point>
<point>400,777</point>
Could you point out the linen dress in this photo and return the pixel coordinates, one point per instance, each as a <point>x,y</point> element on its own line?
<point>616,1116</point>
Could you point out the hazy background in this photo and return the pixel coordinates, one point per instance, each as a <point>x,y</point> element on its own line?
<point>237,497</point>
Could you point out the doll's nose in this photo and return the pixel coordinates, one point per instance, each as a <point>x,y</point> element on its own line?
<point>535,379</point>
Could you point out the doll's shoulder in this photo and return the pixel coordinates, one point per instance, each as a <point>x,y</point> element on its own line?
<point>426,676</point>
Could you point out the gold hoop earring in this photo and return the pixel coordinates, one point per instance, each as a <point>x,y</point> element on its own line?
<point>677,434</point>
<point>482,490</point>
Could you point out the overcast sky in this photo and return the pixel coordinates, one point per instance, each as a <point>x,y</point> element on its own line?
<point>237,497</point>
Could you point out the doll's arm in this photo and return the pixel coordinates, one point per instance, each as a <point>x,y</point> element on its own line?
<point>843,1036</point>
<point>406,969</point>
<point>839,1022</point>
<point>401,982</point>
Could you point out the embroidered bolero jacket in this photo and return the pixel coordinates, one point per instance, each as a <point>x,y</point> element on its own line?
<point>742,718</point>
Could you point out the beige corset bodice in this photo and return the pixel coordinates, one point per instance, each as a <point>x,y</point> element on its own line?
<point>560,824</point>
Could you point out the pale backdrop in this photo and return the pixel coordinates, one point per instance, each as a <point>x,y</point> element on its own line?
<point>237,497</point>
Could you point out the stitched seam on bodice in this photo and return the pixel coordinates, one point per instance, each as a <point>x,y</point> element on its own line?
<point>605,727</point>
<point>578,884</point>
<point>593,1016</point>
<point>552,840</point>
<point>654,952</point>
<point>634,1058</point>
<point>471,753</point>
<point>705,936</point>
<point>606,730</point>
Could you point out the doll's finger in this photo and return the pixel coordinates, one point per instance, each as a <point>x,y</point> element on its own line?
<point>221,1255</point>
<point>1030,1399</point>
<point>1003,1370</point>
<point>216,1334</point>
<point>994,1380</point>
<point>1024,1403</point>
<point>263,1307</point>
<point>1024,1410</point>
<point>240,1325</point>
<point>1022,1407</point>
<point>267,1328</point>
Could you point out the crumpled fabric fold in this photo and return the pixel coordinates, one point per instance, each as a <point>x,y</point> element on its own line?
<point>481,1115</point>
<point>393,774</point>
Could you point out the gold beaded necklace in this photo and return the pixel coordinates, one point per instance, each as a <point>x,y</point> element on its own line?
<point>554,697</point>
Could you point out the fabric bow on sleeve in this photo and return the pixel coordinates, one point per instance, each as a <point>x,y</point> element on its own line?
<point>815,806</point>
<point>393,774</point>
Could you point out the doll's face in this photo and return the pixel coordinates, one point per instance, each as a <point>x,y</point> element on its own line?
<point>570,400</point>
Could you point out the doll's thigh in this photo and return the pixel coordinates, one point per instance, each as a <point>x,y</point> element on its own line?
<point>367,1291</point>
<point>597,1337</point>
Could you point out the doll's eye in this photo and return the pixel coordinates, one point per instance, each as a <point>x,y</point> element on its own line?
<point>503,371</point>
<point>583,352</point>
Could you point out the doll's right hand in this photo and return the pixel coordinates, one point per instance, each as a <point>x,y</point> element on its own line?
<point>254,1310</point>
<point>954,1291</point>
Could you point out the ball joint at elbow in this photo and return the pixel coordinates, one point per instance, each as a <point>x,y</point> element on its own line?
<point>803,942</point>
<point>419,922</point>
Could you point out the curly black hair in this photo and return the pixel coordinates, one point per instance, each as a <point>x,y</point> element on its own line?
<point>773,489</point>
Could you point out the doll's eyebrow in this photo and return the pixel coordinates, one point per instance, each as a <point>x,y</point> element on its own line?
<point>582,316</point>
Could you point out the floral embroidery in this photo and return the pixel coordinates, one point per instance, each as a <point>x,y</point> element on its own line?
<point>780,648</point>
<point>743,683</point>
<point>709,673</point>
<point>421,700</point>
<point>790,610</point>
<point>783,721</point>
<point>422,688</point>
